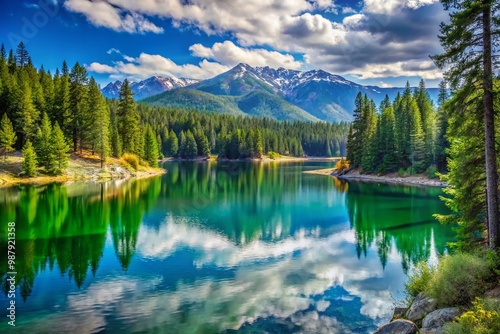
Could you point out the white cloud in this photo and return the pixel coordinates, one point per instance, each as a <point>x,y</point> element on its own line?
<point>102,14</point>
<point>147,65</point>
<point>389,6</point>
<point>229,54</point>
<point>100,68</point>
<point>398,69</point>
<point>348,10</point>
<point>113,50</point>
<point>384,33</point>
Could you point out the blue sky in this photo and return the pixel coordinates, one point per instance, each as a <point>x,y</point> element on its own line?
<point>379,42</point>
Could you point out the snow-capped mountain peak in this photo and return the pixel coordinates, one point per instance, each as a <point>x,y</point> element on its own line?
<point>148,87</point>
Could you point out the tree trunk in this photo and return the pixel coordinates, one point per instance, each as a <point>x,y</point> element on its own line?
<point>489,126</point>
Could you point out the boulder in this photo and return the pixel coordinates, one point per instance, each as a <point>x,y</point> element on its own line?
<point>434,321</point>
<point>421,306</point>
<point>399,326</point>
<point>399,312</point>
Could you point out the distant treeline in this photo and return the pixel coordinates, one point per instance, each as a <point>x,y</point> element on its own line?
<point>405,134</point>
<point>47,114</point>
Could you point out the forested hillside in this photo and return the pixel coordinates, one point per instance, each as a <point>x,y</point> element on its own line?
<point>47,114</point>
<point>405,134</point>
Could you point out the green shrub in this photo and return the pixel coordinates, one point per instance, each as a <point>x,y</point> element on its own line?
<point>131,159</point>
<point>459,279</point>
<point>419,279</point>
<point>482,318</point>
<point>273,155</point>
<point>402,172</point>
<point>432,172</point>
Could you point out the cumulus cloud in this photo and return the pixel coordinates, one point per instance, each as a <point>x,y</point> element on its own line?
<point>228,53</point>
<point>216,59</point>
<point>103,14</point>
<point>383,33</point>
<point>147,65</point>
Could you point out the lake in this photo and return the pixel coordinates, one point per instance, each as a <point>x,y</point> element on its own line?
<point>216,248</point>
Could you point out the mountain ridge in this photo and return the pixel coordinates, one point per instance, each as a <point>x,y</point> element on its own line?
<point>284,94</point>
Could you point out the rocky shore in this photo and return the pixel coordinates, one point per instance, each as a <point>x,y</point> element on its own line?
<point>421,180</point>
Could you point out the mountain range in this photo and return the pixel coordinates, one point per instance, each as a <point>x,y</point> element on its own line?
<point>148,87</point>
<point>280,94</point>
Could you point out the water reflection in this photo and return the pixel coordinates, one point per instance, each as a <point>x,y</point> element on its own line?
<point>211,248</point>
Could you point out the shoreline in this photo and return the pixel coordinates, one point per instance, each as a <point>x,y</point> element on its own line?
<point>84,167</point>
<point>263,159</point>
<point>417,180</point>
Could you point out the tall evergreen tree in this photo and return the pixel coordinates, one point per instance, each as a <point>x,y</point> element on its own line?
<point>27,115</point>
<point>42,143</point>
<point>387,137</point>
<point>354,141</point>
<point>191,149</point>
<point>151,148</point>
<point>59,150</point>
<point>128,119</point>
<point>22,55</point>
<point>442,142</point>
<point>7,136</point>
<point>29,163</point>
<point>467,43</point>
<point>172,144</point>
<point>61,112</point>
<point>78,94</point>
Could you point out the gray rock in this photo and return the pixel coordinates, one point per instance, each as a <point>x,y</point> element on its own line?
<point>399,312</point>
<point>420,307</point>
<point>436,319</point>
<point>399,326</point>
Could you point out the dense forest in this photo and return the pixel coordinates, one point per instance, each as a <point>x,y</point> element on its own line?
<point>406,134</point>
<point>48,115</point>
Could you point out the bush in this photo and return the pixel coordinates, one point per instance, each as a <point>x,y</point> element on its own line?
<point>341,166</point>
<point>459,279</point>
<point>432,172</point>
<point>402,172</point>
<point>131,159</point>
<point>419,280</point>
<point>482,318</point>
<point>273,155</point>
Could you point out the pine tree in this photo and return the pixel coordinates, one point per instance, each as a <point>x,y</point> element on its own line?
<point>428,122</point>
<point>258,150</point>
<point>355,139</point>
<point>151,148</point>
<point>22,55</point>
<point>442,142</point>
<point>116,143</point>
<point>128,118</point>
<point>368,149</point>
<point>182,145</point>
<point>59,150</point>
<point>61,108</point>
<point>97,120</point>
<point>27,115</point>
<point>42,144</point>
<point>191,149</point>
<point>78,94</point>
<point>29,164</point>
<point>388,139</point>
<point>467,43</point>
<point>7,136</point>
<point>202,144</point>
<point>172,144</point>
